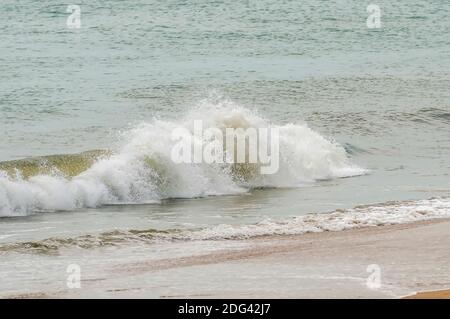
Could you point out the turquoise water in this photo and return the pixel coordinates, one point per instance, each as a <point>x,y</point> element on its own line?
<point>382,94</point>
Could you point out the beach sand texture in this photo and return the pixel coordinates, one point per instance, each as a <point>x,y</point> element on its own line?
<point>411,257</point>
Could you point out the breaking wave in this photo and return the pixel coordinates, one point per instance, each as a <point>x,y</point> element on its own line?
<point>142,171</point>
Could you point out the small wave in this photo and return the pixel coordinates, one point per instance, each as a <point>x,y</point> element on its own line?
<point>436,114</point>
<point>361,216</point>
<point>142,170</point>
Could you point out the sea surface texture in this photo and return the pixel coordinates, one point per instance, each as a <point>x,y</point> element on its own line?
<point>87,115</point>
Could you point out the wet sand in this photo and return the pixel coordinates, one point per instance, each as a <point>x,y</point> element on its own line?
<point>376,262</point>
<point>440,294</point>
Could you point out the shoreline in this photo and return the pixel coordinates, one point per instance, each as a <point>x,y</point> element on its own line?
<point>436,294</point>
<point>411,258</point>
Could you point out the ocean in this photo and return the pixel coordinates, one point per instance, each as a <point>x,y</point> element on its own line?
<point>86,117</point>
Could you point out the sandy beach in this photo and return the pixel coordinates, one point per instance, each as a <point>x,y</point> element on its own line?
<point>439,294</point>
<point>410,258</point>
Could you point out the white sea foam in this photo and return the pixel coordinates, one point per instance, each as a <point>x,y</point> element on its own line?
<point>142,170</point>
<point>365,216</point>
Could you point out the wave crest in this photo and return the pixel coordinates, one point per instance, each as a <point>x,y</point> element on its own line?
<point>142,170</point>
